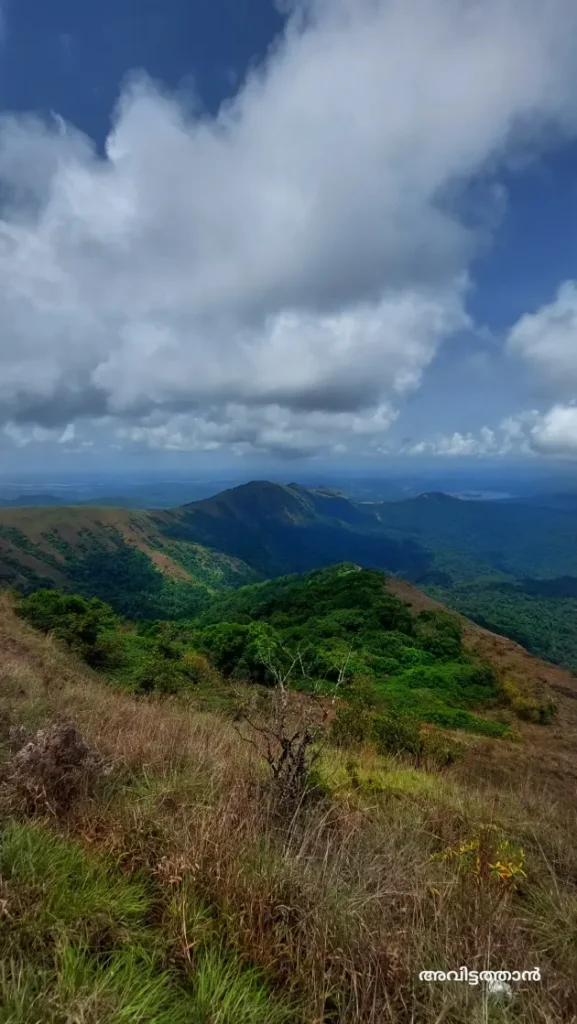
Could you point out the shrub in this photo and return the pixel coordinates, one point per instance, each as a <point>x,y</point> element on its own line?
<point>351,726</point>
<point>530,709</point>
<point>197,669</point>
<point>53,771</point>
<point>442,752</point>
<point>85,626</point>
<point>397,734</point>
<point>153,672</point>
<point>361,693</point>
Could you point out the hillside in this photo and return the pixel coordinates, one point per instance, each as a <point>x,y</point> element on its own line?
<point>277,528</point>
<point>150,871</point>
<point>116,554</point>
<point>511,567</point>
<point>342,632</point>
<point>250,532</point>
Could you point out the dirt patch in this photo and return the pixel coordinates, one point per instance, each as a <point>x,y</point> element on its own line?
<point>167,566</point>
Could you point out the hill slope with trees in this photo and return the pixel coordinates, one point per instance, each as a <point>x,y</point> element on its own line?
<point>511,567</point>
<point>158,862</point>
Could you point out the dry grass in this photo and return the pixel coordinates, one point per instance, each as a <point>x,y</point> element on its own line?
<point>342,904</point>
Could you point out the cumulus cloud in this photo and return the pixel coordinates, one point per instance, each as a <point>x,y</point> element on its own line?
<point>270,428</point>
<point>531,432</point>
<point>512,436</point>
<point>287,269</point>
<point>457,445</point>
<point>547,341</point>
<point>555,433</point>
<point>22,436</point>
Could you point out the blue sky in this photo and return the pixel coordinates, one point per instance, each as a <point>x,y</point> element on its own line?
<point>342,232</point>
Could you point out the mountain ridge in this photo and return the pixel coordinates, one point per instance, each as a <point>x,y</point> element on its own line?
<point>396,536</point>
<point>512,568</point>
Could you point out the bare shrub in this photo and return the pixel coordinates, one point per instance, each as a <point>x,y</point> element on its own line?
<point>287,732</point>
<point>53,771</point>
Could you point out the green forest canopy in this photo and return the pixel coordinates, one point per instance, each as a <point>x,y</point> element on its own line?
<point>331,630</point>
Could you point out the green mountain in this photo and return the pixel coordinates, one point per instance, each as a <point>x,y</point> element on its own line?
<point>283,525</point>
<point>122,556</point>
<point>340,631</point>
<point>254,531</point>
<point>510,566</point>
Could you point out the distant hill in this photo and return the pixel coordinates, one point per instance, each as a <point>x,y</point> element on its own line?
<point>119,555</point>
<point>30,501</point>
<point>489,560</point>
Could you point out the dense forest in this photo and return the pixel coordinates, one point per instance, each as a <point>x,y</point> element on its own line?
<point>541,615</point>
<point>333,632</point>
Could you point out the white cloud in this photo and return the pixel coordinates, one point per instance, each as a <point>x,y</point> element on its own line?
<point>270,428</point>
<point>459,445</point>
<point>531,432</point>
<point>301,252</point>
<point>512,435</point>
<point>22,436</point>
<point>547,341</point>
<point>555,433</point>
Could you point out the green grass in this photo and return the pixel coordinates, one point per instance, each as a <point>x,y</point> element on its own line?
<point>226,992</point>
<point>60,889</point>
<point>443,695</point>
<point>128,988</point>
<point>79,943</point>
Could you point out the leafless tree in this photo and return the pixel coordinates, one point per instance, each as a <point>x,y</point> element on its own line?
<point>289,735</point>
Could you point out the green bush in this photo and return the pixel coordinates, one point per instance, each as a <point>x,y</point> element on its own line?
<point>397,734</point>
<point>85,625</point>
<point>336,627</point>
<point>351,726</point>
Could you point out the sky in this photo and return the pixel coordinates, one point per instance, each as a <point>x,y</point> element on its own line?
<point>336,231</point>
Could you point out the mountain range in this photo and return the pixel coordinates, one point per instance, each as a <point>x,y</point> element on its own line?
<point>512,566</point>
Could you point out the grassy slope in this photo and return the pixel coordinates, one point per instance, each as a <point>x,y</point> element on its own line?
<point>154,899</point>
<point>36,543</point>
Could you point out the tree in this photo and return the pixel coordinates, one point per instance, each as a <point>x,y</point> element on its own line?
<point>288,735</point>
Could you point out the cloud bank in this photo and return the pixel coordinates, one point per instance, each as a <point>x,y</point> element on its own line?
<point>279,276</point>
